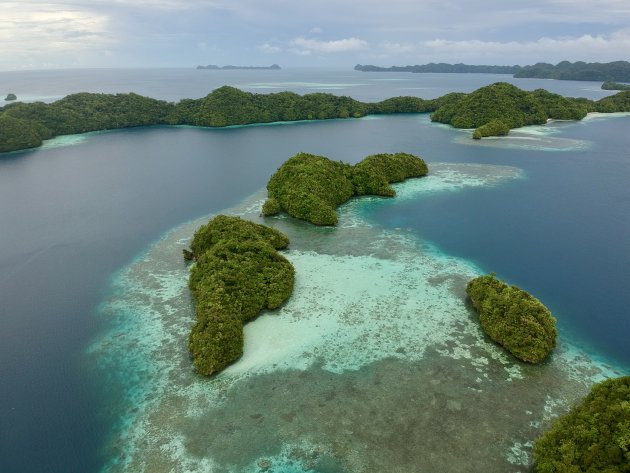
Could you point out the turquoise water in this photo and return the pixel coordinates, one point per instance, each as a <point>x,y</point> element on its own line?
<point>376,364</point>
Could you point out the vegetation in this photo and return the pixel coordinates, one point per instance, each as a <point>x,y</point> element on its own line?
<point>513,318</point>
<point>311,187</point>
<point>238,273</point>
<point>565,70</point>
<point>593,437</point>
<point>441,68</point>
<point>492,108</point>
<point>226,106</point>
<point>10,97</point>
<point>609,85</point>
<point>492,128</point>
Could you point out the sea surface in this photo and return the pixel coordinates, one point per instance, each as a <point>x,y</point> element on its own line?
<point>376,363</point>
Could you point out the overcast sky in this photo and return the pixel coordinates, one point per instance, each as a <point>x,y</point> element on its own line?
<point>173,33</point>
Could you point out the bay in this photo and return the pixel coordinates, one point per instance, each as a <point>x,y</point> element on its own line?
<point>77,212</point>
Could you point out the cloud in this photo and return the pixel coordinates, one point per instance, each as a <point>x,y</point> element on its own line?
<point>316,30</point>
<point>268,48</point>
<point>335,46</point>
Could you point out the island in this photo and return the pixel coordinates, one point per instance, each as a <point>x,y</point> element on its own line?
<point>609,85</point>
<point>513,318</point>
<point>10,97</point>
<point>27,125</point>
<point>311,187</point>
<point>441,68</point>
<point>213,67</point>
<point>238,272</point>
<point>594,436</point>
<point>565,70</point>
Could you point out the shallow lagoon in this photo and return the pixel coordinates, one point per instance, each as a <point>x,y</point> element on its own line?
<point>376,363</point>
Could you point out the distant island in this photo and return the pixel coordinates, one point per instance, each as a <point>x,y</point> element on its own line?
<point>10,97</point>
<point>441,68</point>
<point>213,67</point>
<point>609,85</point>
<point>26,125</point>
<point>565,70</point>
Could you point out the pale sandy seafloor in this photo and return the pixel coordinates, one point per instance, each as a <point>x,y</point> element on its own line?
<point>375,364</point>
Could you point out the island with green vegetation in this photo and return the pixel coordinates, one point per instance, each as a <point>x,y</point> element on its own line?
<point>10,97</point>
<point>311,187</point>
<point>513,318</point>
<point>609,85</point>
<point>565,70</point>
<point>441,68</point>
<point>238,272</point>
<point>27,125</point>
<point>214,67</point>
<point>593,437</point>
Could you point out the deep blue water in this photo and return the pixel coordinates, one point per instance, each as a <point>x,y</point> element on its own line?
<point>71,216</point>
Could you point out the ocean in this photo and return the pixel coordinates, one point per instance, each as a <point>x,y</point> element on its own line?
<point>376,363</point>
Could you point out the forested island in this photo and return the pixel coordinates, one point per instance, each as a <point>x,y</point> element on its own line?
<point>311,187</point>
<point>564,70</point>
<point>441,67</point>
<point>591,71</point>
<point>593,437</point>
<point>238,272</point>
<point>609,85</point>
<point>26,125</point>
<point>214,67</point>
<point>10,97</point>
<point>513,318</point>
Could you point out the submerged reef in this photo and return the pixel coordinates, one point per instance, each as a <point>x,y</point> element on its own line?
<point>513,318</point>
<point>311,187</point>
<point>237,274</point>
<point>593,436</point>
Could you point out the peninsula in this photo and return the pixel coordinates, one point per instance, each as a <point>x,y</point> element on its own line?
<point>213,67</point>
<point>26,125</point>
<point>609,85</point>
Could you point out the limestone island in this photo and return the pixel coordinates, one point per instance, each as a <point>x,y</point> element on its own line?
<point>513,318</point>
<point>213,67</point>
<point>593,437</point>
<point>311,187</point>
<point>27,125</point>
<point>238,272</point>
<point>10,97</point>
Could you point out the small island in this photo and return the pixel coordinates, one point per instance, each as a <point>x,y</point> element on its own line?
<point>513,318</point>
<point>10,97</point>
<point>214,67</point>
<point>311,187</point>
<point>609,85</point>
<point>238,272</point>
<point>593,437</point>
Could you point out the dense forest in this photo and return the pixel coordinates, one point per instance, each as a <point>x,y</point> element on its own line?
<point>441,67</point>
<point>565,70</point>
<point>237,274</point>
<point>593,437</point>
<point>26,125</point>
<point>311,187</point>
<point>513,318</point>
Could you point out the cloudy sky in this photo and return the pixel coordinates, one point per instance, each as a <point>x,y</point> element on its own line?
<point>182,33</point>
